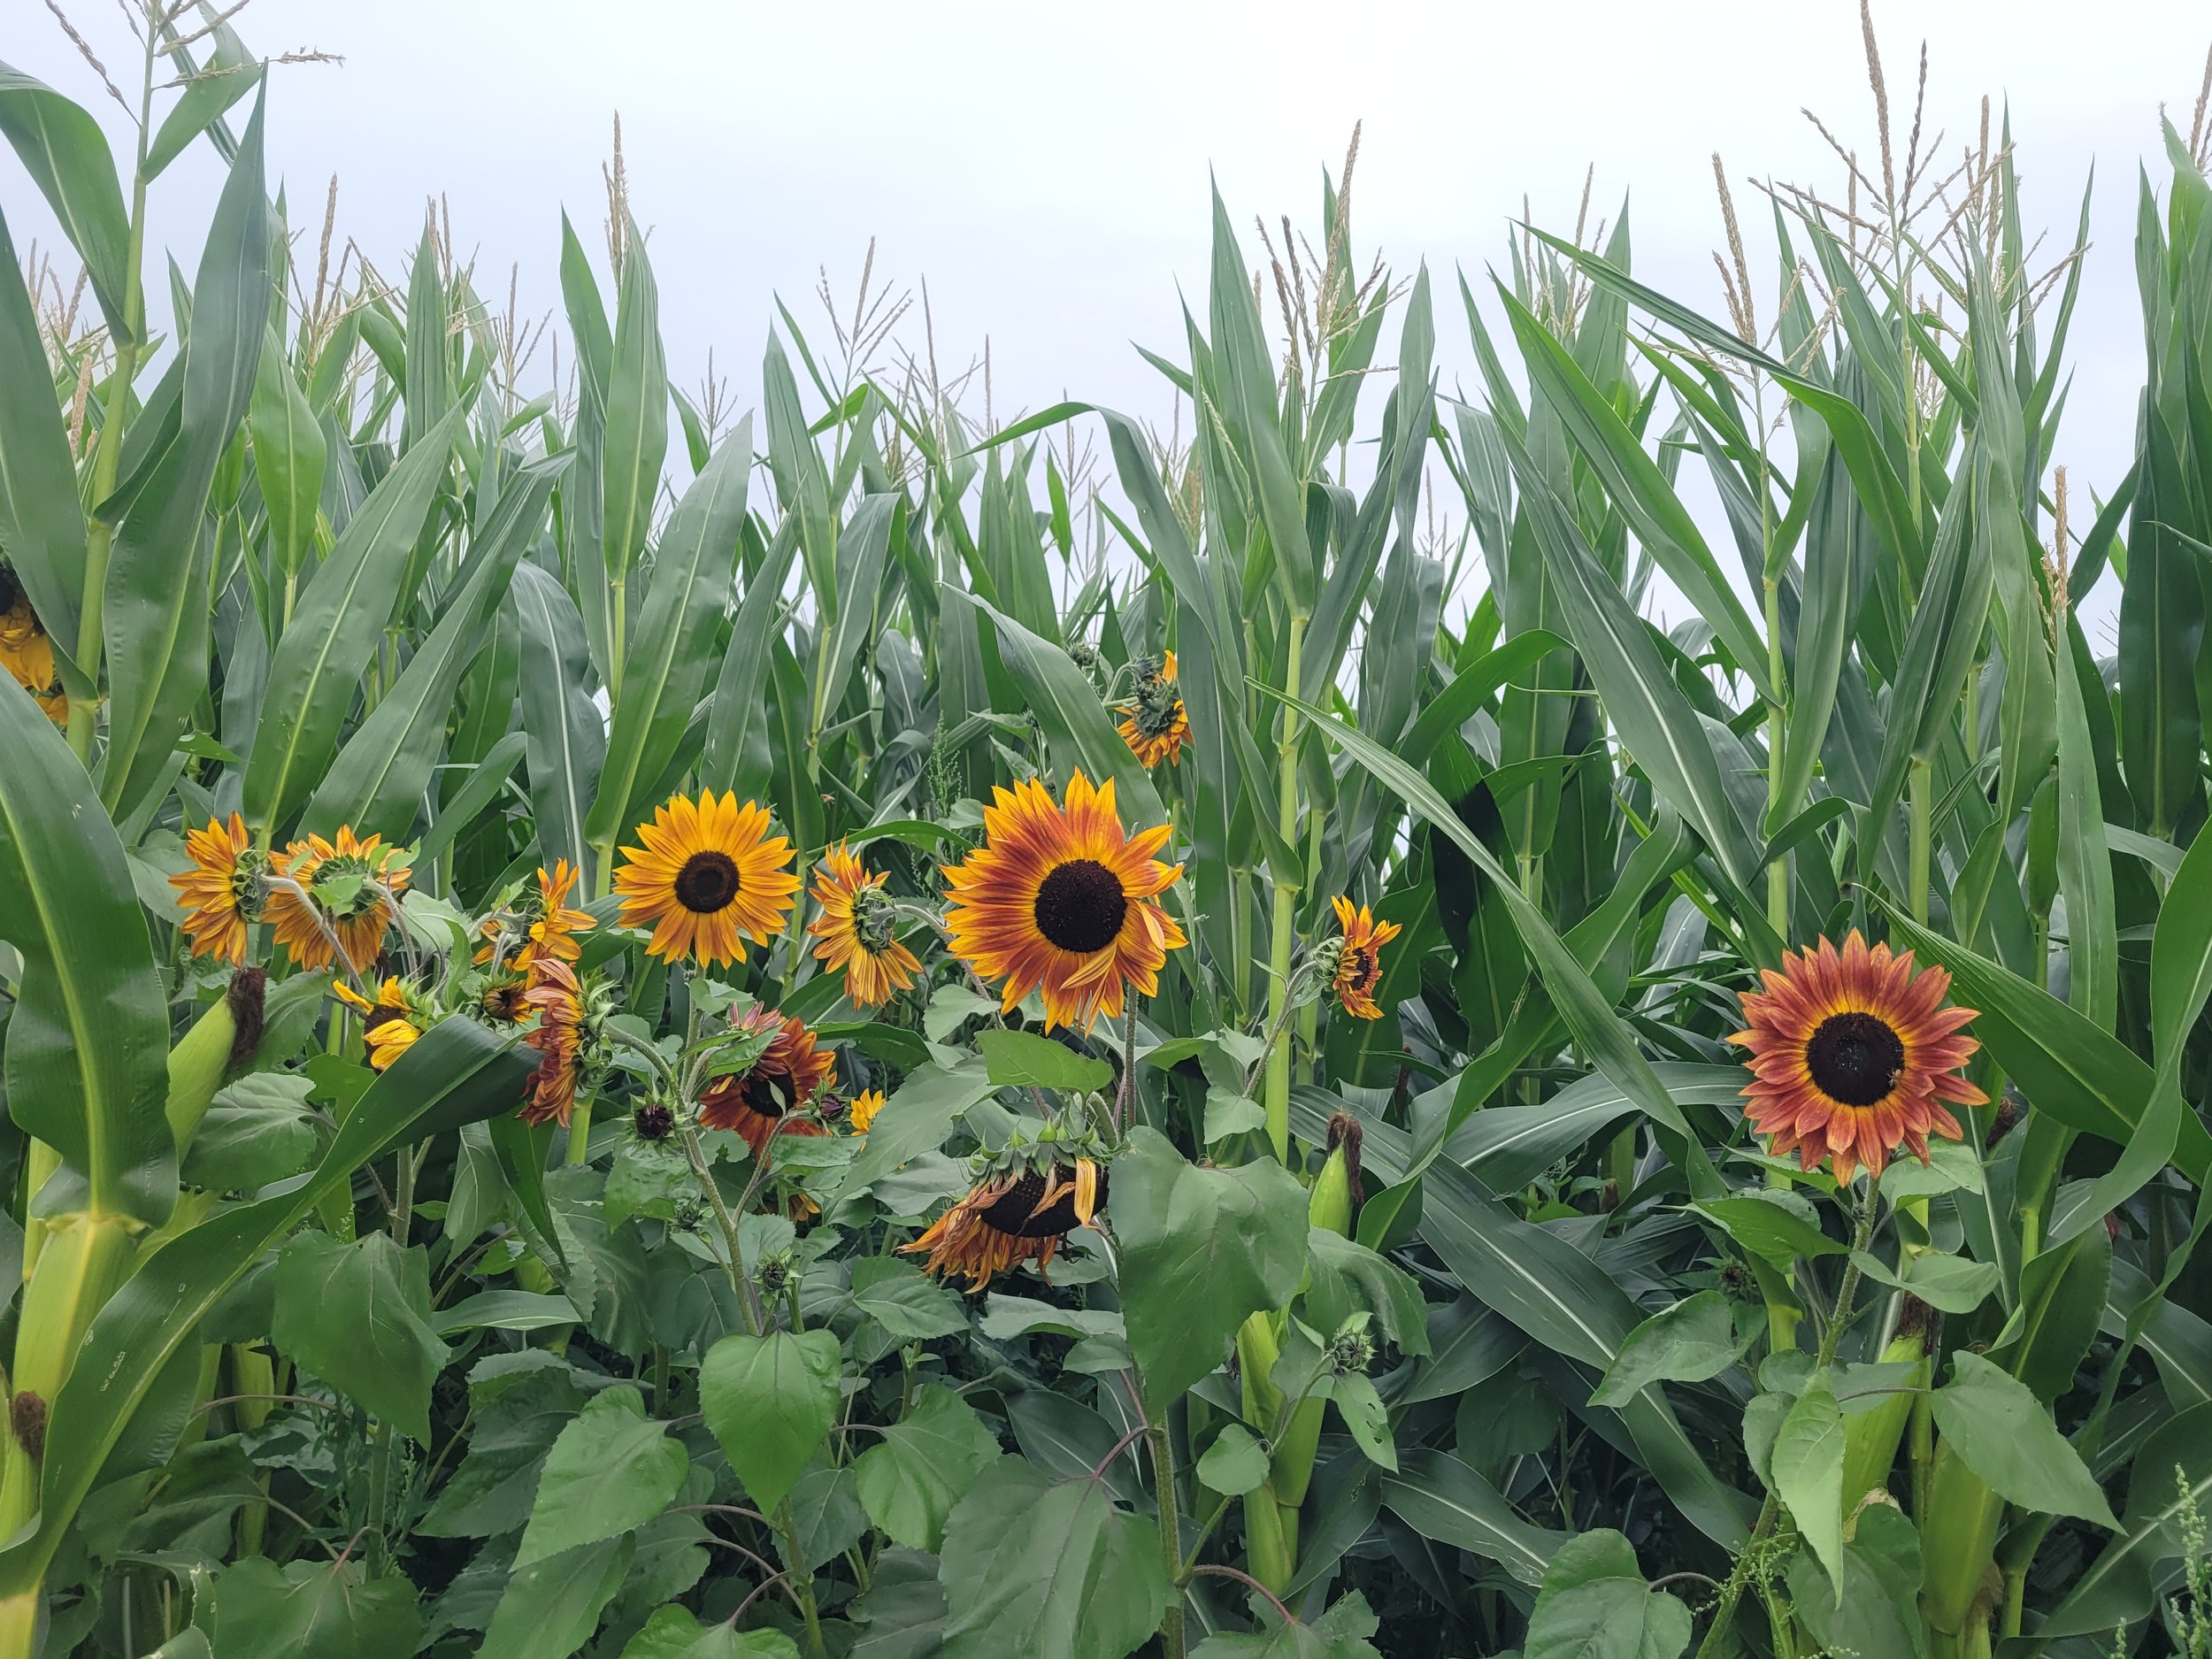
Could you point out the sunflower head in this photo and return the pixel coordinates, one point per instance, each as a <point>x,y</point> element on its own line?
<point>25,652</point>
<point>1060,900</point>
<point>1153,722</point>
<point>707,876</point>
<point>863,1108</point>
<point>759,1101</point>
<point>562,1037</point>
<point>858,930</point>
<point>1353,959</point>
<point>1021,1209</point>
<point>335,896</point>
<point>223,890</point>
<point>552,923</point>
<point>1853,1055</point>
<point>390,1024</point>
<point>503,998</point>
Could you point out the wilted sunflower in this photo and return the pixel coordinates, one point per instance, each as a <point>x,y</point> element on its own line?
<point>1852,1055</point>
<point>1359,958</point>
<point>223,891</point>
<point>25,652</point>
<point>708,874</point>
<point>351,888</point>
<point>1022,1214</point>
<point>558,1037</point>
<point>757,1101</point>
<point>857,930</point>
<point>389,1026</point>
<point>1060,898</point>
<point>863,1111</point>
<point>1153,722</point>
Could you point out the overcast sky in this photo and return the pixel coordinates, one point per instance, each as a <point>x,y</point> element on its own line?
<point>1046,166</point>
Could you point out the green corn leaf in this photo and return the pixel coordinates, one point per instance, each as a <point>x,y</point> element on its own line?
<point>66,155</point>
<point>41,524</point>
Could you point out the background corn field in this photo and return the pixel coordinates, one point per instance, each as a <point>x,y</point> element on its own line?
<point>1487,1325</point>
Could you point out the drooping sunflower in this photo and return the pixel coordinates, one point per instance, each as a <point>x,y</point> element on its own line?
<point>222,891</point>
<point>708,875</point>
<point>25,652</point>
<point>558,1037</point>
<point>1359,957</point>
<point>345,888</point>
<point>1060,898</point>
<point>1853,1055</point>
<point>389,1024</point>
<point>1153,722</point>
<point>758,1102</point>
<point>1021,1214</point>
<point>863,1111</point>
<point>857,930</point>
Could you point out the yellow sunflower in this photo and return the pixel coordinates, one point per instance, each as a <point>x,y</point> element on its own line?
<point>558,1037</point>
<point>1359,957</point>
<point>708,874</point>
<point>347,888</point>
<point>1153,722</point>
<point>388,1026</point>
<point>25,650</point>
<point>855,928</point>
<point>222,891</point>
<point>553,932</point>
<point>1060,898</point>
<point>757,1102</point>
<point>1853,1055</point>
<point>863,1111</point>
<point>1023,1215</point>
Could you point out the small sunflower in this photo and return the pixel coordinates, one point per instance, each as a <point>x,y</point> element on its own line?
<point>857,930</point>
<point>504,999</point>
<point>863,1111</point>
<point>553,925</point>
<point>558,1037</point>
<point>1359,957</point>
<point>389,1024</point>
<point>1853,1055</point>
<point>223,890</point>
<point>1153,722</point>
<point>1062,898</point>
<point>25,652</point>
<point>347,888</point>
<point>758,1102</point>
<point>708,875</point>
<point>1021,1214</point>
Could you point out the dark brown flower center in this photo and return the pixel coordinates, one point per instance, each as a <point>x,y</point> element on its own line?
<point>1854,1059</point>
<point>653,1122</point>
<point>1010,1211</point>
<point>1081,906</point>
<point>1362,968</point>
<point>707,882</point>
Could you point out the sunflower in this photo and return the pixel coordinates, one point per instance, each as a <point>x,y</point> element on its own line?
<point>758,1102</point>
<point>855,929</point>
<point>1853,1055</point>
<point>863,1111</point>
<point>553,928</point>
<point>348,888</point>
<point>1359,957</point>
<point>389,1024</point>
<point>504,1000</point>
<point>558,1037</point>
<point>1153,722</point>
<point>25,652</point>
<point>1023,1214</point>
<point>223,890</point>
<point>1059,897</point>
<point>708,874</point>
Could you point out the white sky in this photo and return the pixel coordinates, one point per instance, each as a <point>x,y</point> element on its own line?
<point>1046,166</point>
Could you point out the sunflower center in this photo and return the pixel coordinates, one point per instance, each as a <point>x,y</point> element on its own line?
<point>1081,906</point>
<point>1854,1059</point>
<point>1010,1211</point>
<point>708,882</point>
<point>1360,965</point>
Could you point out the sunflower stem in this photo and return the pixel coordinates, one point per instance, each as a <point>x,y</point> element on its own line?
<point>579,1131</point>
<point>1155,1436</point>
<point>1285,918</point>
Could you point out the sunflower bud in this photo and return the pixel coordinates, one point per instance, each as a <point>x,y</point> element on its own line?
<point>653,1121</point>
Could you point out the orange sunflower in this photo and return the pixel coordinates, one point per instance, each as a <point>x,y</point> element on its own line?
<point>708,875</point>
<point>1853,1055</point>
<point>1153,722</point>
<point>1060,898</point>
<point>757,1101</point>
<point>558,1037</point>
<point>1021,1215</point>
<point>388,1025</point>
<point>855,928</point>
<point>222,891</point>
<point>25,652</point>
<point>553,932</point>
<point>1359,958</point>
<point>348,887</point>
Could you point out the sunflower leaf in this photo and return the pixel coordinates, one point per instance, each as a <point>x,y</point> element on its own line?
<point>771,1401</point>
<point>1022,1059</point>
<point>910,1480</point>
